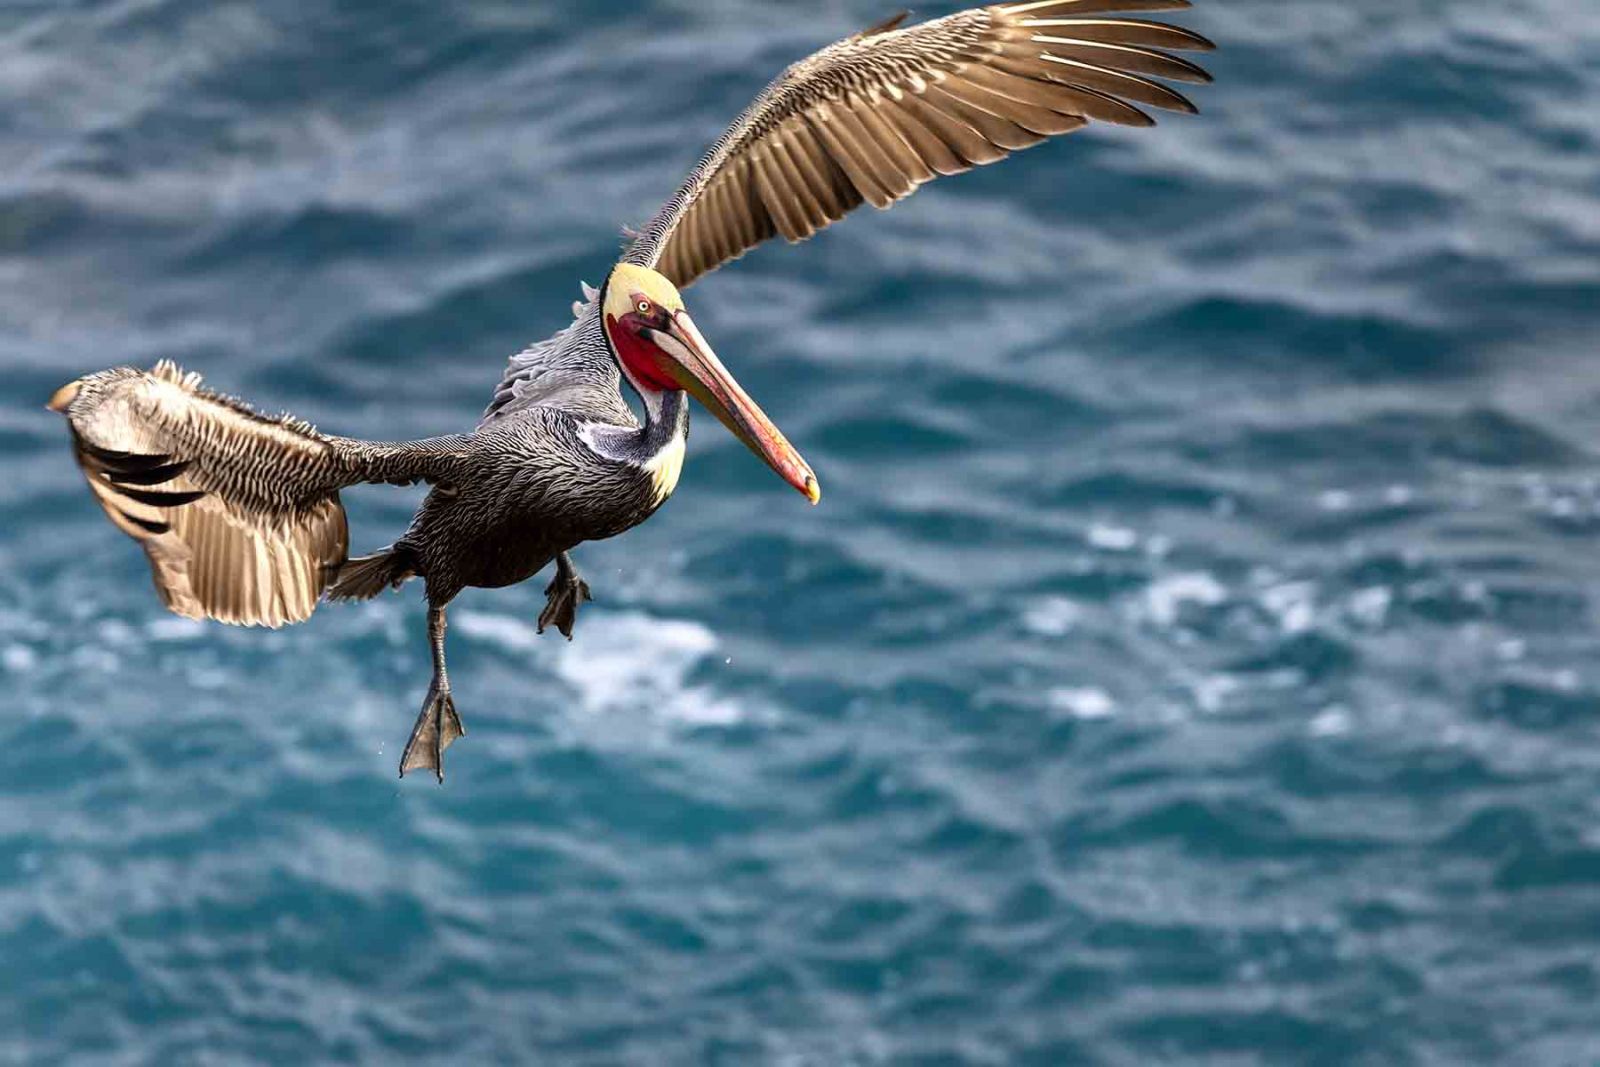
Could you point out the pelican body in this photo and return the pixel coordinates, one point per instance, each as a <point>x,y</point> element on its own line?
<point>239,512</point>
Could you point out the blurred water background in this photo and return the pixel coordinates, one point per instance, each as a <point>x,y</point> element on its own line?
<point>1194,657</point>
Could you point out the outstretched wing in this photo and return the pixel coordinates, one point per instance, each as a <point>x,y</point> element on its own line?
<point>874,116</point>
<point>239,513</point>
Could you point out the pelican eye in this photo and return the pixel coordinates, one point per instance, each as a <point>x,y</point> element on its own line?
<point>644,307</point>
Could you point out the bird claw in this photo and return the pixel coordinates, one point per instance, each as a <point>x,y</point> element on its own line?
<point>563,595</point>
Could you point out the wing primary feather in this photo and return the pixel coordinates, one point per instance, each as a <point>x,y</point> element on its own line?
<point>806,200</point>
<point>885,26</point>
<point>113,459</point>
<point>996,129</point>
<point>844,190</point>
<point>1087,7</point>
<point>739,178</point>
<point>954,130</point>
<point>877,157</point>
<point>721,208</point>
<point>734,214</point>
<point>1107,108</point>
<point>1131,58</point>
<point>843,153</point>
<point>812,160</point>
<point>1125,31</point>
<point>150,526</point>
<point>906,158</point>
<point>762,221</point>
<point>987,90</point>
<point>775,194</point>
<point>1119,84</point>
<point>160,498</point>
<point>696,245</point>
<point>150,475</point>
<point>934,152</point>
<point>1039,75</point>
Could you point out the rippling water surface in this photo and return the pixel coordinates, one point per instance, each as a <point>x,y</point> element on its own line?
<point>1195,656</point>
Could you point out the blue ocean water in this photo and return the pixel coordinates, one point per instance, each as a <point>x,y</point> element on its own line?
<point>1195,657</point>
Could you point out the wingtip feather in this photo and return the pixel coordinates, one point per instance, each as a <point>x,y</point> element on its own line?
<point>62,398</point>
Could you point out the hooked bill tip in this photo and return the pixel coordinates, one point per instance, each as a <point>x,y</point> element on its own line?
<point>813,491</point>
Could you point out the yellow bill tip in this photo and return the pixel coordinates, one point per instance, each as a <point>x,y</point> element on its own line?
<point>812,490</point>
<point>62,397</point>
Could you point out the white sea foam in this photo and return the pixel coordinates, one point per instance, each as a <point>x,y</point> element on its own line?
<point>1511,649</point>
<point>1331,722</point>
<point>1165,598</point>
<point>503,631</point>
<point>1334,500</point>
<point>1087,703</point>
<point>623,661</point>
<point>1211,691</point>
<point>1112,538</point>
<point>18,658</point>
<point>1293,604</point>
<point>632,659</point>
<point>1370,606</point>
<point>174,628</point>
<point>1051,616</point>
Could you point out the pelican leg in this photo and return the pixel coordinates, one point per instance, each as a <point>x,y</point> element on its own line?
<point>438,724</point>
<point>563,595</point>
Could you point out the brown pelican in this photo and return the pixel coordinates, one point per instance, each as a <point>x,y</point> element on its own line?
<point>239,512</point>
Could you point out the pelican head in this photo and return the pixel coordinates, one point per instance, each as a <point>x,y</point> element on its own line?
<point>660,349</point>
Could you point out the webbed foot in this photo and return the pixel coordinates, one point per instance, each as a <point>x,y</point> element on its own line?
<point>563,595</point>
<point>436,728</point>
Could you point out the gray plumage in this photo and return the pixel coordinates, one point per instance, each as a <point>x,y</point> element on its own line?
<point>239,513</point>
